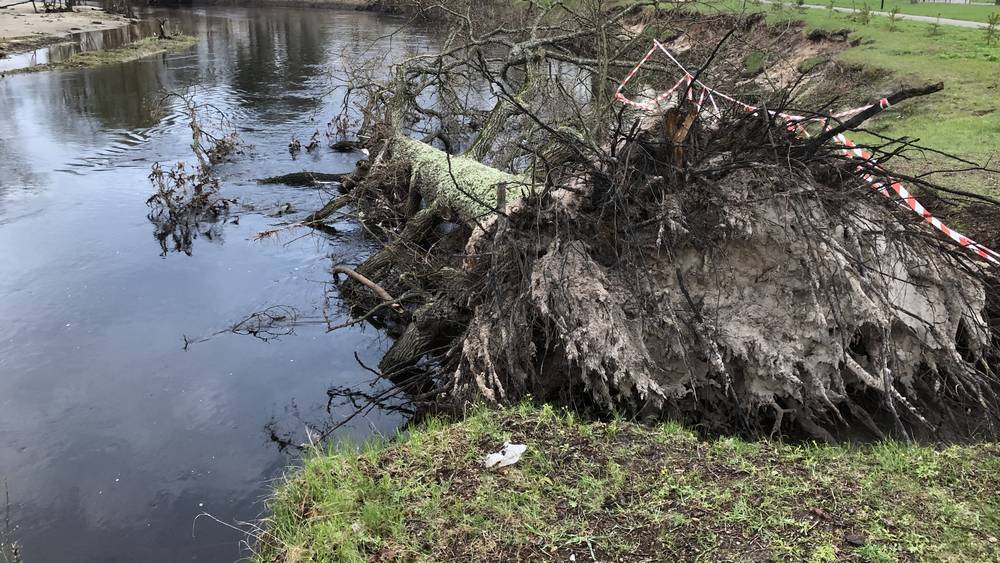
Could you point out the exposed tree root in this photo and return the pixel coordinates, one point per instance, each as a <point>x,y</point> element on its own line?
<point>720,269</point>
<point>765,310</point>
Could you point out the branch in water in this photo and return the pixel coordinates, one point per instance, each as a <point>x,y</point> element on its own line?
<point>376,288</point>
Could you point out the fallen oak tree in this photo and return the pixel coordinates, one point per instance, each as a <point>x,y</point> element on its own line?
<point>721,270</point>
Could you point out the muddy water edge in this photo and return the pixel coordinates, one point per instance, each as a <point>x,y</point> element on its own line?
<point>114,438</point>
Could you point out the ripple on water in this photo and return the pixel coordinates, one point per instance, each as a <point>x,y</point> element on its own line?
<point>112,436</point>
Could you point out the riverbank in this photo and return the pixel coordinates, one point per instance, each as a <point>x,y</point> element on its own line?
<point>960,120</point>
<point>21,29</point>
<point>143,48</point>
<point>621,491</point>
<point>756,351</point>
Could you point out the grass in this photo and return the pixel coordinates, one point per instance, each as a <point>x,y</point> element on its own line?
<point>620,491</point>
<point>133,51</point>
<point>967,12</point>
<point>755,63</point>
<point>964,119</point>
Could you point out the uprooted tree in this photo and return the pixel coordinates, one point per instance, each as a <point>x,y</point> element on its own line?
<point>698,261</point>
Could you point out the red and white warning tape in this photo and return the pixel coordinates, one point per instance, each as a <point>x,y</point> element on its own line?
<point>796,123</point>
<point>907,200</point>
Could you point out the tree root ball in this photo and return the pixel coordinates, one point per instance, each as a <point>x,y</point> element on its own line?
<point>789,311</point>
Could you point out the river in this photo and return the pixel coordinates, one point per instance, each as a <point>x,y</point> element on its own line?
<point>113,436</point>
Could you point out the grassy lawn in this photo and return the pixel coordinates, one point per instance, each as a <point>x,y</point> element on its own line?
<point>621,491</point>
<point>964,119</point>
<point>968,12</point>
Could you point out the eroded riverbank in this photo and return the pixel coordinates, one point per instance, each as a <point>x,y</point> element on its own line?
<point>687,247</point>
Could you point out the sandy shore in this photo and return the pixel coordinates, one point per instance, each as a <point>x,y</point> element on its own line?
<point>21,29</point>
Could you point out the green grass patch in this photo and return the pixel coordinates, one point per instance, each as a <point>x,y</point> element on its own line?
<point>755,63</point>
<point>621,491</point>
<point>133,51</point>
<point>963,119</point>
<point>967,12</point>
<point>808,64</point>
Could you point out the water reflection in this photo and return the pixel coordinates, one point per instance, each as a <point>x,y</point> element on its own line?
<point>113,437</point>
<point>80,42</point>
<point>177,231</point>
<point>279,58</point>
<point>119,96</point>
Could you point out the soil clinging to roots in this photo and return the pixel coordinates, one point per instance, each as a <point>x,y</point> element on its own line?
<point>755,298</point>
<point>709,266</point>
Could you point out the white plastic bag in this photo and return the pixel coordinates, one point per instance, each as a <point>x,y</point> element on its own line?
<point>509,454</point>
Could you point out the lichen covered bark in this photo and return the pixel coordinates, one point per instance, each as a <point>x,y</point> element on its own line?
<point>460,184</point>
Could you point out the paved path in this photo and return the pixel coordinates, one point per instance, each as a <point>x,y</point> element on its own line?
<point>923,19</point>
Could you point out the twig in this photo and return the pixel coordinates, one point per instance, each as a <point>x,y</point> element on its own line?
<point>376,288</point>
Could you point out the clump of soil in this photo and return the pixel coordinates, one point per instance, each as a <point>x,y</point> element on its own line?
<point>745,299</point>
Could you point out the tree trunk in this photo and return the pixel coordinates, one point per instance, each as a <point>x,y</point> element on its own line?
<point>441,185</point>
<point>463,186</point>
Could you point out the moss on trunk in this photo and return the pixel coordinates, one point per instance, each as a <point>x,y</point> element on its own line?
<point>457,183</point>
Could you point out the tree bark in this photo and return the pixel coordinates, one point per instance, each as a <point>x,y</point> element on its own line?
<point>464,186</point>
<point>330,208</point>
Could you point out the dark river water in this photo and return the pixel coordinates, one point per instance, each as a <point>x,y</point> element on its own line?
<point>113,437</point>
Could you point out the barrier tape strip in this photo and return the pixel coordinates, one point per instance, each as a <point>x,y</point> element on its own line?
<point>907,200</point>
<point>796,123</point>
